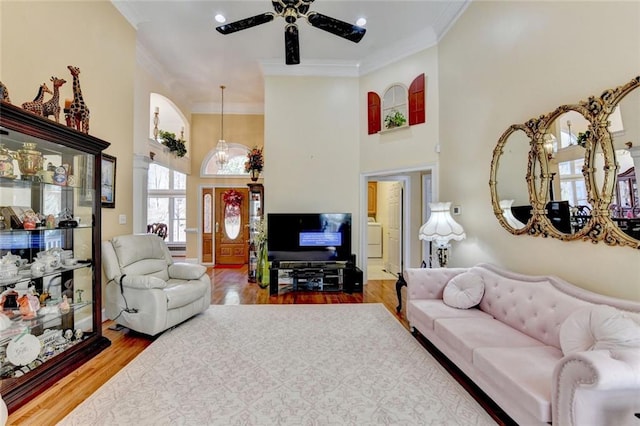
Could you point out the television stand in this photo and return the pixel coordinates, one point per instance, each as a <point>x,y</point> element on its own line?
<point>288,276</point>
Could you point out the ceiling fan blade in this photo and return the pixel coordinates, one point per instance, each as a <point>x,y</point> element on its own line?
<point>243,24</point>
<point>335,26</point>
<point>291,44</point>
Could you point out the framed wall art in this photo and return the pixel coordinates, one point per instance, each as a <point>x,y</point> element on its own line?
<point>108,181</point>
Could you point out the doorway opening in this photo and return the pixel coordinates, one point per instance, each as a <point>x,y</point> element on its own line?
<point>401,200</point>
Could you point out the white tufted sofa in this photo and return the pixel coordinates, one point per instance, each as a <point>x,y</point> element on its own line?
<point>511,345</point>
<point>156,293</point>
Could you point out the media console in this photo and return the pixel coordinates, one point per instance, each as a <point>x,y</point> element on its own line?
<point>286,276</point>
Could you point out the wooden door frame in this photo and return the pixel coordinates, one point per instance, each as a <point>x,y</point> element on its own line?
<point>238,246</point>
<point>198,231</point>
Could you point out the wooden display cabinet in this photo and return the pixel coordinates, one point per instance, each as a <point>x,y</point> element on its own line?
<point>51,303</point>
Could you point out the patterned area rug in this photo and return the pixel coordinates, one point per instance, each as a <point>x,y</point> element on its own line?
<point>343,364</point>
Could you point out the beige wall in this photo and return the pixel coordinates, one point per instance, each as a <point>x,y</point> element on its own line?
<point>106,78</point>
<point>39,40</point>
<point>312,146</point>
<point>411,146</point>
<point>506,62</point>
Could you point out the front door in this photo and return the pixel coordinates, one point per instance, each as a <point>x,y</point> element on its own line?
<point>231,230</point>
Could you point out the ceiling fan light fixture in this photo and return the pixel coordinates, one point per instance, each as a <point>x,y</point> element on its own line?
<point>361,22</point>
<point>220,18</point>
<point>291,11</point>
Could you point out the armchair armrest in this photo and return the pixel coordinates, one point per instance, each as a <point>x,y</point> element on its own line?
<point>429,283</point>
<point>186,271</point>
<point>141,282</point>
<point>597,387</point>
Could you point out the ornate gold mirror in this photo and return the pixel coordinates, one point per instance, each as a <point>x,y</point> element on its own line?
<point>580,171</point>
<point>623,125</point>
<point>564,135</point>
<point>510,172</point>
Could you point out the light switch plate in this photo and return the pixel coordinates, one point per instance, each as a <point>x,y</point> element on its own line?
<point>457,210</point>
<point>122,219</point>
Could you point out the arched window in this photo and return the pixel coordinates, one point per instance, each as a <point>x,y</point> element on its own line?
<point>394,104</point>
<point>234,167</point>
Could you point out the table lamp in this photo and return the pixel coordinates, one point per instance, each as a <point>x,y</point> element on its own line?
<point>441,228</point>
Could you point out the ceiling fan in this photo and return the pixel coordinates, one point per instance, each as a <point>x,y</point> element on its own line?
<point>291,10</point>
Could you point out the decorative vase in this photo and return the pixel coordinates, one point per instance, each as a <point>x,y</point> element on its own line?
<point>255,174</point>
<point>29,160</point>
<point>262,272</point>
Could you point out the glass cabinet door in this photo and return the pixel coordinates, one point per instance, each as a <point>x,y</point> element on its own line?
<point>46,240</point>
<point>49,250</point>
<point>256,207</point>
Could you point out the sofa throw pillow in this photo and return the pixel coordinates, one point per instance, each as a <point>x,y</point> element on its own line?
<point>599,327</point>
<point>464,291</point>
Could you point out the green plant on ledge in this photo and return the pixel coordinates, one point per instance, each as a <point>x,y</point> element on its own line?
<point>175,145</point>
<point>394,119</point>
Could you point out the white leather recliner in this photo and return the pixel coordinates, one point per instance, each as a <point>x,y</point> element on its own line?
<point>146,290</point>
<point>4,413</point>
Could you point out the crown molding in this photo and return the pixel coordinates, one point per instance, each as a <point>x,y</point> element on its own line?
<point>311,68</point>
<point>401,49</point>
<point>127,10</point>
<point>449,17</point>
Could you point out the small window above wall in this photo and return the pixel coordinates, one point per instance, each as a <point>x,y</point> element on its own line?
<point>399,107</point>
<point>394,107</point>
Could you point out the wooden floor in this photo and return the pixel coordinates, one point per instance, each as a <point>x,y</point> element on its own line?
<point>230,287</point>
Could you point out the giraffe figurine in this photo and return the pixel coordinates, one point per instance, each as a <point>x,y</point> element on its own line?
<point>4,93</point>
<point>52,106</point>
<point>78,110</point>
<point>35,106</point>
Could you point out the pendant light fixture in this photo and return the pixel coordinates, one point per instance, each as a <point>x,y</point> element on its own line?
<point>222,149</point>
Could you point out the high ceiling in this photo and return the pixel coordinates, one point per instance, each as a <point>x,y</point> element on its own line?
<point>178,43</point>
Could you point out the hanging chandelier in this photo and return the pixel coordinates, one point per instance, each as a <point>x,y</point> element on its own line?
<point>222,149</point>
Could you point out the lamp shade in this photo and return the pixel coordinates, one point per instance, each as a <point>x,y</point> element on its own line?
<point>441,227</point>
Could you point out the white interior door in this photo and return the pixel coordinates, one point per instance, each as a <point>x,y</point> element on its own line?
<point>394,229</point>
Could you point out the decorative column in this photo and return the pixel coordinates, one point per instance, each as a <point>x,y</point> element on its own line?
<point>140,192</point>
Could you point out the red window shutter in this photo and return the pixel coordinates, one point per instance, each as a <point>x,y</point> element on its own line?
<point>417,105</point>
<point>373,103</point>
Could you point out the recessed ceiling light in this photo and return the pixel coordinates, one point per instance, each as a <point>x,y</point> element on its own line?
<point>361,22</point>
<point>220,18</point>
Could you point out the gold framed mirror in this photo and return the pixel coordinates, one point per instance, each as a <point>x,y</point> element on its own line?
<point>511,181</point>
<point>580,168</point>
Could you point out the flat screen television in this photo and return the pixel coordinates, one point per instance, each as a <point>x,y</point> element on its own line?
<point>309,236</point>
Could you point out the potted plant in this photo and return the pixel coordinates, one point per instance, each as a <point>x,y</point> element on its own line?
<point>394,119</point>
<point>175,145</point>
<point>254,163</point>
